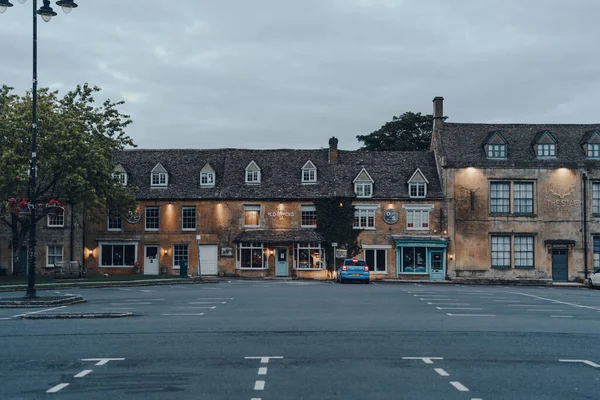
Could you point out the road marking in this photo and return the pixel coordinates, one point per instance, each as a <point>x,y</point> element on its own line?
<point>102,361</point>
<point>130,304</point>
<point>459,386</point>
<point>256,398</point>
<point>587,362</point>
<point>562,316</point>
<point>263,360</point>
<point>182,314</point>
<point>545,310</point>
<point>37,312</point>
<point>507,301</point>
<point>212,308</point>
<point>458,308</point>
<point>6,318</point>
<point>441,372</point>
<point>147,291</point>
<point>558,301</point>
<point>83,373</point>
<point>57,388</point>
<point>528,305</point>
<point>434,298</point>
<point>259,385</point>
<point>204,302</point>
<point>123,289</point>
<point>449,304</point>
<point>262,371</point>
<point>471,315</point>
<point>426,360</point>
<point>215,298</point>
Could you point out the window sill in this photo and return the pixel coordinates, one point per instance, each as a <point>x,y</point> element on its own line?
<point>159,187</point>
<point>310,269</point>
<point>413,273</point>
<point>364,229</point>
<point>501,267</point>
<point>189,230</point>
<point>528,267</point>
<point>379,272</point>
<point>116,266</point>
<point>308,226</point>
<point>114,230</point>
<point>417,229</point>
<point>253,269</point>
<point>55,226</point>
<point>151,230</point>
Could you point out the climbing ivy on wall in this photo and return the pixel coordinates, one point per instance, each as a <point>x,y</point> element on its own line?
<point>335,221</point>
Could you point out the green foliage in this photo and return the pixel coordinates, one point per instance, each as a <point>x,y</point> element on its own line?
<point>76,143</point>
<point>408,132</point>
<point>335,223</point>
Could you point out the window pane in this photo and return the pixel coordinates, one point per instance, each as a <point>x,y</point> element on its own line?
<point>596,198</point>
<point>370,259</point>
<point>106,254</point>
<point>500,251</point>
<point>500,197</point>
<point>188,216</point>
<point>130,255</point>
<point>381,261</point>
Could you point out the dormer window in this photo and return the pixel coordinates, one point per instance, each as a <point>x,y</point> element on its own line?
<point>252,173</point>
<point>495,146</point>
<point>120,174</point>
<point>545,145</point>
<point>497,151</point>
<point>207,176</point>
<point>159,176</point>
<point>417,185</point>
<point>363,184</point>
<point>309,173</point>
<point>593,150</point>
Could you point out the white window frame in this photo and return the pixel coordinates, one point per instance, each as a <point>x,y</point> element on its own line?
<point>309,248</point>
<point>135,254</point>
<point>183,218</point>
<point>252,208</point>
<point>162,179</point>
<point>360,189</point>
<point>210,179</point>
<point>309,175</point>
<point>110,220</point>
<point>375,249</point>
<point>252,176</point>
<point>176,251</point>
<point>56,220</point>
<point>417,186</point>
<point>121,176</point>
<point>365,211</point>
<point>308,208</point>
<point>250,246</point>
<point>146,209</point>
<point>421,209</point>
<point>48,255</point>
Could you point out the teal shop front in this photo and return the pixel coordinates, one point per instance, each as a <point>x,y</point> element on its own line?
<point>421,256</point>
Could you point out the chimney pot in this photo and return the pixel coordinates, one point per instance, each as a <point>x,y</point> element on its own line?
<point>438,113</point>
<point>333,150</point>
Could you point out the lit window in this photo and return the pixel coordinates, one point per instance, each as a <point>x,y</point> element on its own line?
<point>309,255</point>
<point>117,255</point>
<point>250,255</point>
<point>251,215</point>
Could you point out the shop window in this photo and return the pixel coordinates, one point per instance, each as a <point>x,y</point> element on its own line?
<point>309,255</point>
<point>117,255</point>
<point>414,260</point>
<point>376,259</point>
<point>251,255</point>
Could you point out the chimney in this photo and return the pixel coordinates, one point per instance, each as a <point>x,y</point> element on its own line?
<point>438,113</point>
<point>333,150</point>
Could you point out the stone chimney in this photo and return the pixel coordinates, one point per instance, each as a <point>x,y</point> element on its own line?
<point>438,113</point>
<point>333,150</point>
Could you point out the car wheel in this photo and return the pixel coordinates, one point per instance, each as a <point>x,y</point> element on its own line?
<point>590,283</point>
<point>341,280</point>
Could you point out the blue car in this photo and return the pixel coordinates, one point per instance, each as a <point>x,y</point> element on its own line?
<point>353,269</point>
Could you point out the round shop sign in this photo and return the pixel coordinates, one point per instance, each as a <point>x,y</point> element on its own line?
<point>390,216</point>
<point>133,217</point>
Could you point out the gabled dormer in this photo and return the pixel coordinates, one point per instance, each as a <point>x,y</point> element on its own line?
<point>417,185</point>
<point>591,144</point>
<point>545,145</point>
<point>120,174</point>
<point>309,173</point>
<point>252,173</point>
<point>159,177</point>
<point>207,176</point>
<point>496,146</point>
<point>363,184</point>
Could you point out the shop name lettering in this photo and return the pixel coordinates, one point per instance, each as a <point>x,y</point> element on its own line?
<point>281,214</point>
<point>560,201</point>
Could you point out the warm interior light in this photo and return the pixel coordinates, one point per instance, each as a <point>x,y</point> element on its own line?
<point>451,256</point>
<point>91,253</point>
<point>165,252</point>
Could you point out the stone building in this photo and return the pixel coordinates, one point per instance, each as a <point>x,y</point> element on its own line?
<point>523,199</point>
<point>251,213</point>
<point>59,238</point>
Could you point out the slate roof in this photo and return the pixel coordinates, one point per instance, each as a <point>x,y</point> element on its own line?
<point>278,236</point>
<point>281,170</point>
<point>463,145</point>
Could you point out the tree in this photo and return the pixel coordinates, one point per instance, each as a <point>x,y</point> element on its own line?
<point>76,143</point>
<point>408,132</point>
<point>335,223</point>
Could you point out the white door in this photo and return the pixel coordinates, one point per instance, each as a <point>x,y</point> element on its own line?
<point>151,260</point>
<point>207,259</point>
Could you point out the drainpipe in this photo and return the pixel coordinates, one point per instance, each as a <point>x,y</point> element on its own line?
<point>72,240</point>
<point>585,235</point>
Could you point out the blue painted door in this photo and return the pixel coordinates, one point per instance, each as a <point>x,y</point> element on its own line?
<point>437,265</point>
<point>281,264</point>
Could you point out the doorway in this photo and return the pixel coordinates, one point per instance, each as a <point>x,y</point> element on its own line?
<point>281,266</point>
<point>437,272</point>
<point>151,260</point>
<point>560,264</point>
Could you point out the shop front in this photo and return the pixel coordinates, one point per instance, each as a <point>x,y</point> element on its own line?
<point>280,253</point>
<point>421,257</point>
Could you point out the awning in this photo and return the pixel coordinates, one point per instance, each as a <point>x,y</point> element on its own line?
<point>421,241</point>
<point>278,236</point>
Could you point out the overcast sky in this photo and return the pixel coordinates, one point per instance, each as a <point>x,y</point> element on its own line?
<point>292,73</point>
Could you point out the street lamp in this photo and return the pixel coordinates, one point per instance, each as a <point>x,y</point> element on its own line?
<point>46,12</point>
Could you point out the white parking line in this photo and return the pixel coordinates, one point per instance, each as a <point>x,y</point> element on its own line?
<point>471,315</point>
<point>215,298</point>
<point>507,301</point>
<point>449,304</point>
<point>459,308</point>
<point>183,314</point>
<point>131,304</point>
<point>562,316</point>
<point>37,312</point>
<point>83,373</point>
<point>544,310</point>
<point>203,302</point>
<point>459,386</point>
<point>441,372</point>
<point>558,301</point>
<point>57,387</point>
<point>259,385</point>
<point>262,371</point>
<point>211,308</point>
<point>434,298</point>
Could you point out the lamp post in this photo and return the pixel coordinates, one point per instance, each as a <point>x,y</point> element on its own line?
<point>46,12</point>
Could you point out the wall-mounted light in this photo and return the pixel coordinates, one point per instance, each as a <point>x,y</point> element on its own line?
<point>91,253</point>
<point>445,232</point>
<point>451,256</point>
<point>166,252</point>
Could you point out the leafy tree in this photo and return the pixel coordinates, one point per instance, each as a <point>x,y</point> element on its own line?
<point>408,132</point>
<point>335,223</point>
<point>76,142</point>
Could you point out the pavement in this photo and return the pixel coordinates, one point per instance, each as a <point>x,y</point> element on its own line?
<point>310,340</point>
